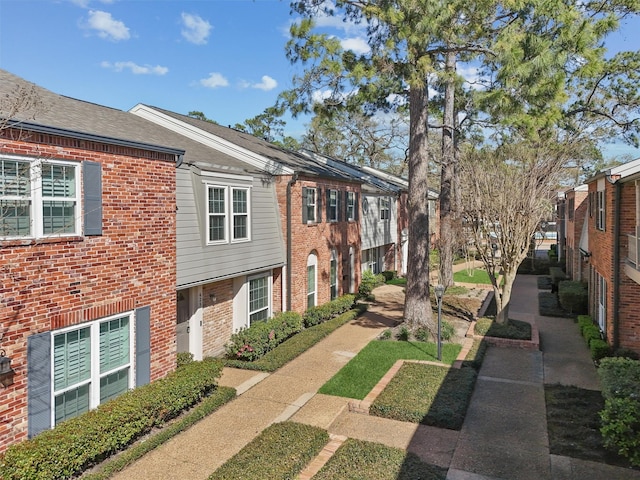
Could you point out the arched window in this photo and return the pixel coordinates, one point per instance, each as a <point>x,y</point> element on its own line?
<point>312,277</point>
<point>333,274</point>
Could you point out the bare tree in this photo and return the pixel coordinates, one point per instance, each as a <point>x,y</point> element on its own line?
<point>506,193</point>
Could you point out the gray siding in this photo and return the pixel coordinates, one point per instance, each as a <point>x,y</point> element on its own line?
<point>376,232</point>
<point>200,263</point>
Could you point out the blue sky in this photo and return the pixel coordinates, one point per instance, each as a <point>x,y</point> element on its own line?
<point>222,57</point>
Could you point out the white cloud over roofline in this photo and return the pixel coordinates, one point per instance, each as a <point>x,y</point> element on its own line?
<point>135,68</point>
<point>106,26</point>
<point>195,29</point>
<point>214,80</point>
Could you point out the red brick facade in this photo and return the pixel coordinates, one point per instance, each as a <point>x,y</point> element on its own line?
<point>575,212</point>
<point>57,282</point>
<point>318,238</point>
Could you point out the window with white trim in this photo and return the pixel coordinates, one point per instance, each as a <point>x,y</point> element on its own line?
<point>333,275</point>
<point>259,298</point>
<point>332,206</point>
<point>312,263</point>
<point>220,221</point>
<point>600,218</point>
<point>385,208</point>
<point>311,205</point>
<point>351,206</point>
<point>92,364</point>
<point>39,198</point>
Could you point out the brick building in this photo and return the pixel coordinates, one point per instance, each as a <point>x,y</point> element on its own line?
<point>611,248</point>
<point>573,216</point>
<point>87,259</point>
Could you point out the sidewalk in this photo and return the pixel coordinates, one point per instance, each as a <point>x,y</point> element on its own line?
<point>504,436</point>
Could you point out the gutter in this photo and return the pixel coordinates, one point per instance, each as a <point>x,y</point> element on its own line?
<point>616,267</point>
<point>290,183</point>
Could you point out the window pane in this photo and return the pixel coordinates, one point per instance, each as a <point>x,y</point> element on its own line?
<point>311,286</point>
<point>258,294</point>
<point>216,200</point>
<point>239,201</point>
<point>58,217</point>
<point>216,228</point>
<point>72,403</point>
<point>114,344</point>
<point>240,227</point>
<point>71,358</point>
<point>311,204</point>
<point>14,178</point>
<point>114,384</point>
<point>58,180</point>
<point>259,316</point>
<point>15,218</point>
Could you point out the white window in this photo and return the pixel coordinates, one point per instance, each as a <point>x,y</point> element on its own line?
<point>333,275</point>
<point>38,198</point>
<point>91,364</point>
<point>600,219</point>
<point>602,302</point>
<point>312,263</point>
<point>310,210</point>
<point>259,298</point>
<point>218,217</point>
<point>332,206</point>
<point>370,260</point>
<point>385,208</point>
<point>351,206</point>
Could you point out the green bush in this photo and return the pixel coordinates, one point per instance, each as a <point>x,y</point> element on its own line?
<point>599,349</point>
<point>252,343</point>
<point>322,313</point>
<point>573,296</point>
<point>79,443</point>
<point>368,282</point>
<point>590,332</point>
<point>583,321</point>
<point>620,378</point>
<point>557,275</point>
<point>183,358</point>
<point>447,331</point>
<point>389,275</point>
<point>626,353</point>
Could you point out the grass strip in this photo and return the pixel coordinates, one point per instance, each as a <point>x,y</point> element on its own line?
<point>208,405</point>
<point>513,329</point>
<point>296,345</point>
<point>475,275</point>
<point>364,371</point>
<point>280,451</point>
<point>359,460</point>
<point>427,394</point>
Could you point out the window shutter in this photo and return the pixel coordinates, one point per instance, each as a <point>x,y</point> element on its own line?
<point>305,216</point>
<point>328,205</point>
<point>339,200</point>
<point>319,205</point>
<point>92,180</point>
<point>356,208</point>
<point>39,383</point>
<point>143,346</point>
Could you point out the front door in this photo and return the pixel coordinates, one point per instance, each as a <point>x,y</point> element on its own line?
<point>182,325</point>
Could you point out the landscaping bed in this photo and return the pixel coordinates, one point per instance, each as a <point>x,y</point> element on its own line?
<point>427,394</point>
<point>359,459</point>
<point>513,329</point>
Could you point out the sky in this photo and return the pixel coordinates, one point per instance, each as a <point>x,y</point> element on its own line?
<point>225,58</point>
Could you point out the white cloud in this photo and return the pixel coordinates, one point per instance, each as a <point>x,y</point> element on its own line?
<point>196,29</point>
<point>471,75</point>
<point>214,80</point>
<point>357,45</point>
<point>107,27</point>
<point>135,68</point>
<point>267,83</point>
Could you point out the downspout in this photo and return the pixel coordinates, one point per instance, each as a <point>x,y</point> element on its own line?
<point>290,183</point>
<point>616,265</point>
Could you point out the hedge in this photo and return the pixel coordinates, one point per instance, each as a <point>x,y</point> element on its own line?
<point>81,442</point>
<point>557,275</point>
<point>620,429</point>
<point>322,313</point>
<point>599,349</point>
<point>573,296</point>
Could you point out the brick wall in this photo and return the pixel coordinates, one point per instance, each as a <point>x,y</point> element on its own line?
<point>54,283</point>
<point>575,265</point>
<point>217,317</point>
<point>319,238</point>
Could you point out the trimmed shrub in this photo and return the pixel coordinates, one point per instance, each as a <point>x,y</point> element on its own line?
<point>322,313</point>
<point>252,343</point>
<point>557,275</point>
<point>389,275</point>
<point>626,353</point>
<point>573,296</point>
<point>620,378</point>
<point>599,349</point>
<point>183,358</point>
<point>590,332</point>
<point>447,331</point>
<point>81,442</point>
<point>583,321</point>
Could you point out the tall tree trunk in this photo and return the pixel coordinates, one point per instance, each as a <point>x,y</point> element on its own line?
<point>503,296</point>
<point>417,307</point>
<point>448,174</point>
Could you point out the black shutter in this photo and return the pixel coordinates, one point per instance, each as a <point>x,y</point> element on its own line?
<point>319,204</point>
<point>339,200</point>
<point>328,206</point>
<point>92,188</point>
<point>39,383</point>
<point>143,346</point>
<point>305,217</point>
<point>356,208</point>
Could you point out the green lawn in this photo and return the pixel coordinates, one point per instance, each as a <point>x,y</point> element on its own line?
<point>477,275</point>
<point>358,377</point>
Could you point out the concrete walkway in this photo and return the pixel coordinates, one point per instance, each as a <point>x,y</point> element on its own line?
<point>504,436</point>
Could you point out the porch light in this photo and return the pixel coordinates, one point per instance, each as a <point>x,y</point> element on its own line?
<point>6,372</point>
